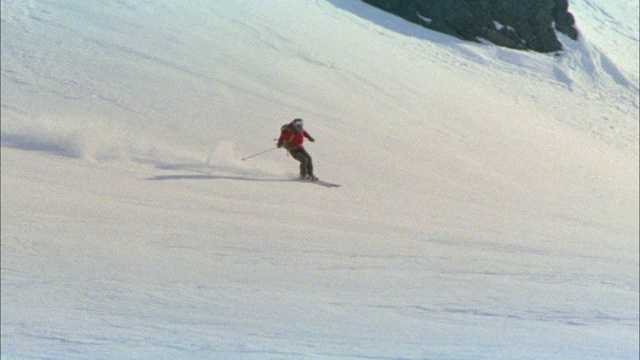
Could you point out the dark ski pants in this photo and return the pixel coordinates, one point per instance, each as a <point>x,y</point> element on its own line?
<point>306,166</point>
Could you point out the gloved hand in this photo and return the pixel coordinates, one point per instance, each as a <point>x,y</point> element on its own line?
<point>311,139</point>
<point>279,144</point>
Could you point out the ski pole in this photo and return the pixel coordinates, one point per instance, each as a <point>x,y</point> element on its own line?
<point>260,153</point>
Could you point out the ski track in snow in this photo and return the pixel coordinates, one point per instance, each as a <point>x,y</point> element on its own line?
<point>484,211</point>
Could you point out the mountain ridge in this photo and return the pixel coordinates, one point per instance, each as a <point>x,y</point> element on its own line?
<point>517,24</point>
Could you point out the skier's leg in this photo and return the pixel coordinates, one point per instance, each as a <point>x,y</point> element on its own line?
<point>309,163</point>
<point>304,161</point>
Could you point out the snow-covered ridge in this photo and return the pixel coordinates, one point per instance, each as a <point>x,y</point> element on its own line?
<point>582,69</point>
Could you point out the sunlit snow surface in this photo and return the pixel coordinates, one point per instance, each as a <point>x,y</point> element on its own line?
<point>488,207</point>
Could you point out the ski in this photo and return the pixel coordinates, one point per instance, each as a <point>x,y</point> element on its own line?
<point>317,181</point>
<point>322,183</point>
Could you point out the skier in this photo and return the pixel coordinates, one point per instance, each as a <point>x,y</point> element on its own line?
<point>291,138</point>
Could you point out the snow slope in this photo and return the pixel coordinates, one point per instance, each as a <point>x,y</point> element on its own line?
<point>489,206</point>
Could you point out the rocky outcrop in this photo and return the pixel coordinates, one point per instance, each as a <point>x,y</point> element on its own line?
<point>518,24</point>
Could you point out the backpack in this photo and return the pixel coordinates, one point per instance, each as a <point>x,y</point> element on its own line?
<point>284,128</point>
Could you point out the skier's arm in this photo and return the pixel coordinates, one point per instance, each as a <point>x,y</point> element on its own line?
<point>306,134</point>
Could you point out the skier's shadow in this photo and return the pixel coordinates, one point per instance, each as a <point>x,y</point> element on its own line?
<point>213,177</point>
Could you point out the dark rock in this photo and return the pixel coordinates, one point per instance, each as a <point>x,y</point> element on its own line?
<point>518,24</point>
<point>565,22</point>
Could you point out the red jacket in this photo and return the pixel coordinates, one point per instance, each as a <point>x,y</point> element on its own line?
<point>292,140</point>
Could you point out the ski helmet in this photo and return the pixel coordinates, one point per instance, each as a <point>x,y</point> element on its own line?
<point>297,124</point>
